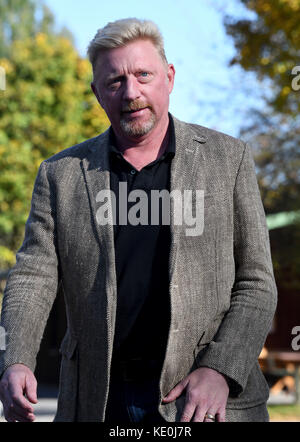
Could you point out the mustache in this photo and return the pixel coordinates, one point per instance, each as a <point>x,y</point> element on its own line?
<point>135,106</point>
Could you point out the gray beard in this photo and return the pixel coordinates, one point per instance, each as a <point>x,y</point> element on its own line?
<point>135,129</point>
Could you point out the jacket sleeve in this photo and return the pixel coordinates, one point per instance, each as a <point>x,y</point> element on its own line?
<point>242,333</point>
<point>32,283</point>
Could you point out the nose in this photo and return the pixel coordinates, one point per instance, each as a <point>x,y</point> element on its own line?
<point>131,89</point>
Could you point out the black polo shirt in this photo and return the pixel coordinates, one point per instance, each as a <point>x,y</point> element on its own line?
<point>142,256</point>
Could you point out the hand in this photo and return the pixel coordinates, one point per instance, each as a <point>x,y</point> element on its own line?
<point>206,392</point>
<point>17,389</point>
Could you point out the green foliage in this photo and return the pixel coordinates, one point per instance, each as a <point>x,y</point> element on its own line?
<point>18,20</point>
<point>269,44</point>
<point>47,106</point>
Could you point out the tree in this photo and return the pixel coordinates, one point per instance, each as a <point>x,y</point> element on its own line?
<point>47,106</point>
<point>18,20</point>
<point>268,44</point>
<point>275,141</point>
<point>276,153</point>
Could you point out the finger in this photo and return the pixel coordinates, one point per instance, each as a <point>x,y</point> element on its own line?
<point>22,412</point>
<point>176,391</point>
<point>30,389</point>
<point>15,417</point>
<point>11,407</point>
<point>29,418</point>
<point>11,415</point>
<point>199,415</point>
<point>15,395</point>
<point>221,415</point>
<point>210,416</point>
<point>209,420</point>
<point>204,413</point>
<point>187,412</point>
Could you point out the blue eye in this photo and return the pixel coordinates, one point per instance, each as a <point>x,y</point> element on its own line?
<point>144,74</point>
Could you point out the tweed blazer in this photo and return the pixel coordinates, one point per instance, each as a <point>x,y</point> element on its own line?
<point>222,290</point>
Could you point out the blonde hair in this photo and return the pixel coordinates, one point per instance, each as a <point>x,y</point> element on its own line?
<point>121,32</point>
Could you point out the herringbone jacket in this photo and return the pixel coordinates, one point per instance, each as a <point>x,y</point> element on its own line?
<point>222,289</point>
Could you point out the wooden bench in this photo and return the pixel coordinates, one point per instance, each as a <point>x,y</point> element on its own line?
<point>284,364</point>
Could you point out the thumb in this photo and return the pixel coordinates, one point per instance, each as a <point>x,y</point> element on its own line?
<point>31,389</point>
<point>176,391</point>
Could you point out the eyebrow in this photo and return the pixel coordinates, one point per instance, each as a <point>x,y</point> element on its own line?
<point>112,77</point>
<point>116,76</point>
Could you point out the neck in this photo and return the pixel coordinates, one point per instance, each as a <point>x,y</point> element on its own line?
<point>142,151</point>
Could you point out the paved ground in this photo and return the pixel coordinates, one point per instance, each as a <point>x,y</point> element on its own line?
<point>281,399</point>
<point>46,407</point>
<point>44,410</point>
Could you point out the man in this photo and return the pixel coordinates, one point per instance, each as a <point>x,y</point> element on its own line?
<point>165,323</point>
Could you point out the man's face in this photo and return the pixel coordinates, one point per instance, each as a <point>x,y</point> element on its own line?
<point>133,84</point>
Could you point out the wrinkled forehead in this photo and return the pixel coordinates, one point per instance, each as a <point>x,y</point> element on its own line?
<point>137,55</point>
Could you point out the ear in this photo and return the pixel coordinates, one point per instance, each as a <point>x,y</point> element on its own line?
<point>171,77</point>
<point>96,93</point>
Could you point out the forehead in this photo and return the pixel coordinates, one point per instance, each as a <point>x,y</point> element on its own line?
<point>139,54</point>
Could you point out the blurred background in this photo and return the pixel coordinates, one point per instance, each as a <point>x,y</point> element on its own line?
<point>235,72</point>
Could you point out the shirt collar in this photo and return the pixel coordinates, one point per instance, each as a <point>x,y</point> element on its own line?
<point>170,150</point>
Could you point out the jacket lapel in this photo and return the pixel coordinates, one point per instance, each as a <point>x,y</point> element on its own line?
<point>186,174</point>
<point>96,170</point>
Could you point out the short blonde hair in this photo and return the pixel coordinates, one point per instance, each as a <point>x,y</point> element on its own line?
<point>121,32</point>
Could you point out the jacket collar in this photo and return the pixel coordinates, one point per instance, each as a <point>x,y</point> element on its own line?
<point>187,141</point>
